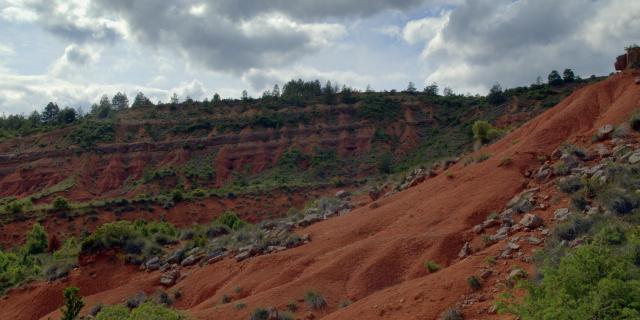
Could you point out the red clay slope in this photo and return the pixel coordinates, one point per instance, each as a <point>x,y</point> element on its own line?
<point>371,256</point>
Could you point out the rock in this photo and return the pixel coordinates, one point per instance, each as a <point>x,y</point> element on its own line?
<point>486,274</point>
<point>152,264</point>
<point>544,172</point>
<point>243,256</point>
<point>593,210</point>
<point>533,240</point>
<point>343,194</point>
<point>605,131</point>
<point>634,158</point>
<point>176,256</point>
<point>506,217</point>
<point>561,214</point>
<point>502,233</point>
<point>169,278</point>
<point>190,260</point>
<point>513,246</point>
<point>165,267</point>
<point>309,316</point>
<point>516,274</point>
<point>275,249</point>
<point>490,223</point>
<point>465,250</point>
<point>478,228</point>
<point>216,256</point>
<point>531,221</point>
<point>309,220</point>
<point>523,202</point>
<point>637,80</point>
<point>602,150</point>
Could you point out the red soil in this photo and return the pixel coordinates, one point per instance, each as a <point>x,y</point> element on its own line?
<point>371,256</point>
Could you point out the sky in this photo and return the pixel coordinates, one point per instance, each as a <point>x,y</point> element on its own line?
<point>74,51</point>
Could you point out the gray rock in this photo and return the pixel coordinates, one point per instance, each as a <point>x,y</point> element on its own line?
<point>190,260</point>
<point>502,233</point>
<point>478,228</point>
<point>218,256</point>
<point>169,278</point>
<point>602,150</point>
<point>605,131</point>
<point>342,194</point>
<point>561,214</point>
<point>465,250</point>
<point>516,274</point>
<point>243,256</point>
<point>176,256</point>
<point>544,172</point>
<point>309,220</point>
<point>152,264</point>
<point>531,221</point>
<point>634,158</point>
<point>534,241</point>
<point>523,202</point>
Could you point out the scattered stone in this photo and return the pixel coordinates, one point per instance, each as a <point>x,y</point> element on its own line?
<point>309,220</point>
<point>486,274</point>
<point>490,223</point>
<point>602,150</point>
<point>561,214</point>
<point>523,202</point>
<point>531,221</point>
<point>478,228</point>
<point>634,158</point>
<point>513,246</point>
<point>152,264</point>
<point>465,250</point>
<point>605,132</point>
<point>502,233</point>
<point>544,172</point>
<point>533,240</point>
<point>169,278</point>
<point>516,274</point>
<point>342,194</point>
<point>215,257</point>
<point>190,260</point>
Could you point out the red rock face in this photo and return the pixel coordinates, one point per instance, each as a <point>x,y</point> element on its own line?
<point>621,62</point>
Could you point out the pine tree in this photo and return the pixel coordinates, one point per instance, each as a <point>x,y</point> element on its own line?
<point>37,240</point>
<point>50,113</point>
<point>276,91</point>
<point>120,101</point>
<point>554,78</point>
<point>72,303</point>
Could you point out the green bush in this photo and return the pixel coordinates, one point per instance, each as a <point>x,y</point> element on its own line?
<point>60,203</point>
<point>231,220</point>
<point>484,132</point>
<point>634,122</point>
<point>72,303</point>
<point>432,266</point>
<point>314,300</point>
<point>37,240</point>
<point>145,311</point>
<point>474,283</point>
<point>259,314</point>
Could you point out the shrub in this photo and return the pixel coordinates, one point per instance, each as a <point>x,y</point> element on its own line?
<point>315,300</point>
<point>570,184</point>
<point>240,305</point>
<point>573,227</point>
<point>259,314</point>
<point>474,283</point>
<point>634,122</point>
<point>37,240</point>
<point>60,203</point>
<point>453,314</point>
<point>110,235</point>
<point>344,303</point>
<point>292,306</point>
<point>484,132</point>
<point>225,299</point>
<point>150,310</point>
<point>432,266</point>
<point>231,220</point>
<point>113,312</point>
<point>72,303</point>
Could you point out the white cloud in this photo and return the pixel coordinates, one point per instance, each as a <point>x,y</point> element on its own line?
<point>75,57</point>
<point>425,29</point>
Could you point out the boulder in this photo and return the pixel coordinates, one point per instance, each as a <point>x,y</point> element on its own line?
<point>309,220</point>
<point>561,214</point>
<point>152,264</point>
<point>531,221</point>
<point>516,274</point>
<point>190,260</point>
<point>502,233</point>
<point>523,202</point>
<point>534,241</point>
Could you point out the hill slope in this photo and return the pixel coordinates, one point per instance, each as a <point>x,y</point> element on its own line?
<point>375,254</point>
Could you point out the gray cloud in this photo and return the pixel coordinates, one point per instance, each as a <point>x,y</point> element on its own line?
<point>484,41</point>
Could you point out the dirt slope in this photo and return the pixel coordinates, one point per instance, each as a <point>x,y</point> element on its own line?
<point>373,257</point>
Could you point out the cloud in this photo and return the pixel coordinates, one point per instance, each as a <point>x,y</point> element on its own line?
<point>73,20</point>
<point>483,41</point>
<point>75,57</point>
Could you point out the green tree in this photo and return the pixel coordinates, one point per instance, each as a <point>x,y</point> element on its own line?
<point>554,78</point>
<point>174,99</point>
<point>60,203</point>
<point>67,116</point>
<point>72,303</point>
<point>120,101</point>
<point>431,90</point>
<point>37,240</point>
<point>50,113</point>
<point>276,91</point>
<point>568,75</point>
<point>245,95</point>
<point>140,101</point>
<point>329,93</point>
<point>411,88</point>
<point>496,95</point>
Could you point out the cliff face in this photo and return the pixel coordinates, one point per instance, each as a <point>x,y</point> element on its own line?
<point>631,59</point>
